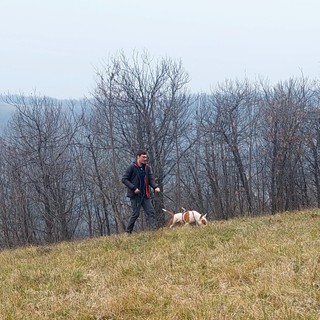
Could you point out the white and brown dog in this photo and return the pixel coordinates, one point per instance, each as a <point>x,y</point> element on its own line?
<point>187,217</point>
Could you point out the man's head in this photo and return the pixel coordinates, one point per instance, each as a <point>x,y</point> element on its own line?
<point>141,157</point>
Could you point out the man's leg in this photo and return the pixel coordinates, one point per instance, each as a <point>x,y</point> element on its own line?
<point>149,210</point>
<point>135,206</point>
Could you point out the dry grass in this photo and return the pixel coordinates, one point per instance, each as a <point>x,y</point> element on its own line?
<point>248,268</point>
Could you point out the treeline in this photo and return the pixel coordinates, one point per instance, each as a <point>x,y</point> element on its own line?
<point>244,148</point>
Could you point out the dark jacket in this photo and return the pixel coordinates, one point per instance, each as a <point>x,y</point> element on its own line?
<point>131,179</point>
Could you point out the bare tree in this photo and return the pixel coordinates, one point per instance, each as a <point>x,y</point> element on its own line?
<point>141,104</point>
<point>42,133</point>
<point>230,121</point>
<point>311,135</point>
<point>284,115</point>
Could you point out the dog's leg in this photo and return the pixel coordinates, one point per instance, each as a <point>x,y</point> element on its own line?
<point>170,224</point>
<point>171,221</point>
<point>174,221</point>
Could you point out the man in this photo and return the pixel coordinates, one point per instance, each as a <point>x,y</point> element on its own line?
<point>138,177</point>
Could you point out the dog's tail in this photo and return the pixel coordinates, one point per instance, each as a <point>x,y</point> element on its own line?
<point>172,214</point>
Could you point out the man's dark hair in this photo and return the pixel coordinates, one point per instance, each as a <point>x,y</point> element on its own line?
<point>140,152</point>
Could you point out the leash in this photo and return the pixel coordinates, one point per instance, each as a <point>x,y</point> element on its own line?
<point>168,197</point>
<point>154,194</point>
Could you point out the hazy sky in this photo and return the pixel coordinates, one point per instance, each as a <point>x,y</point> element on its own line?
<point>54,46</point>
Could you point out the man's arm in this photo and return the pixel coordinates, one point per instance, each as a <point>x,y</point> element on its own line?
<point>126,178</point>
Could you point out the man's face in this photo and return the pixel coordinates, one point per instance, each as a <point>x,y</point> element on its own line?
<point>142,158</point>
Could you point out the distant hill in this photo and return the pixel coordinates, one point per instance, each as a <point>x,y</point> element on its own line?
<point>6,112</point>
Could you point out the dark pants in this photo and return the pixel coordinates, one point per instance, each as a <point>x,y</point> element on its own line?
<point>136,204</point>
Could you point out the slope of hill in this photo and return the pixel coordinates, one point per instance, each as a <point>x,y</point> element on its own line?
<point>6,112</point>
<point>264,267</point>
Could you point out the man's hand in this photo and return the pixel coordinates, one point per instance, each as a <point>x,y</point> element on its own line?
<point>137,191</point>
<point>157,189</point>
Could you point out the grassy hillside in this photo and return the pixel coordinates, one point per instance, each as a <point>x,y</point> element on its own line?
<point>248,268</point>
